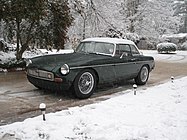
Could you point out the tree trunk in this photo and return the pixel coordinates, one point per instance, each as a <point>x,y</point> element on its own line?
<point>185,23</point>
<point>84,30</point>
<point>18,38</point>
<point>83,15</point>
<point>25,45</point>
<point>131,28</point>
<point>21,51</point>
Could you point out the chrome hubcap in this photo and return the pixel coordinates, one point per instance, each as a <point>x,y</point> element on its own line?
<point>86,83</point>
<point>144,74</point>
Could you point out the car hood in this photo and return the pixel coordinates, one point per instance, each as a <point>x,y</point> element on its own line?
<point>49,62</point>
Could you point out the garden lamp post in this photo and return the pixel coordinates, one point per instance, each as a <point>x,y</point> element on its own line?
<point>43,109</point>
<point>172,78</point>
<point>135,87</point>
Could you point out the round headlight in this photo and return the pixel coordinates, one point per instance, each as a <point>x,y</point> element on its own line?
<point>64,69</point>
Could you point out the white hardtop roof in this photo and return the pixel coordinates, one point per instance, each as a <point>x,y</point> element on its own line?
<point>109,40</point>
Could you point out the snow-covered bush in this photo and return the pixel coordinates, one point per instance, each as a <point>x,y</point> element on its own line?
<point>146,44</point>
<point>184,46</point>
<point>132,36</point>
<point>5,47</point>
<point>166,47</point>
<point>13,63</point>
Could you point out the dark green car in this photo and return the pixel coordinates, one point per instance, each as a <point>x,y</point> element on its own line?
<point>95,61</point>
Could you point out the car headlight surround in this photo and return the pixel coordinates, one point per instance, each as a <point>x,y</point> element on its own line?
<point>64,69</point>
<point>28,62</point>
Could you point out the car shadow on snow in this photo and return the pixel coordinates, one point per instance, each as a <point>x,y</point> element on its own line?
<point>101,90</point>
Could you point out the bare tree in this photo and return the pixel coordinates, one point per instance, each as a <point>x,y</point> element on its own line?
<point>181,10</point>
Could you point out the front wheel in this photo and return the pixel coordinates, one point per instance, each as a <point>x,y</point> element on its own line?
<point>84,84</point>
<point>143,76</point>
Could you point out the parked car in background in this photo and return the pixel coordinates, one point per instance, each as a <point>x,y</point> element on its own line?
<point>95,61</point>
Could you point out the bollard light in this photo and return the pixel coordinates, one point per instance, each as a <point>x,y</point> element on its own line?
<point>172,79</point>
<point>135,87</point>
<point>43,109</point>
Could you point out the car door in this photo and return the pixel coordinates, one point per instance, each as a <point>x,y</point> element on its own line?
<point>125,66</point>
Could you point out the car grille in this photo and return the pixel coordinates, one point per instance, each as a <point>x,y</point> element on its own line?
<point>41,74</point>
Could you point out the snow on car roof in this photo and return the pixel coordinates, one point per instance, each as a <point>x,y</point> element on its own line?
<point>109,40</point>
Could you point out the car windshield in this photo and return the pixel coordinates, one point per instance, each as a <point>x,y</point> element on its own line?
<point>96,47</point>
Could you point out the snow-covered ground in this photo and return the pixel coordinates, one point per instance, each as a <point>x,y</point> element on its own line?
<point>5,57</point>
<point>155,113</point>
<point>178,56</point>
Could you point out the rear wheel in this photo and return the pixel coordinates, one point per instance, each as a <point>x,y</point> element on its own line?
<point>84,84</point>
<point>143,76</point>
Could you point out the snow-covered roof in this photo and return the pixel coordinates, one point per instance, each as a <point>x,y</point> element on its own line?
<point>109,40</point>
<point>180,35</point>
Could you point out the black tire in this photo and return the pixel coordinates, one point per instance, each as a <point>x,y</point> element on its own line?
<point>143,76</point>
<point>37,87</point>
<point>84,84</point>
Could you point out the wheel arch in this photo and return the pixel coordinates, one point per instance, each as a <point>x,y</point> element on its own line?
<point>96,73</point>
<point>92,69</point>
<point>147,65</point>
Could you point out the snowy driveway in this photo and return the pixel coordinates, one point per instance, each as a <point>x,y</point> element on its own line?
<point>154,113</point>
<point>20,100</point>
<point>177,57</point>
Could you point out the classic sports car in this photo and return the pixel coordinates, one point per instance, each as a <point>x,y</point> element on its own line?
<point>95,61</point>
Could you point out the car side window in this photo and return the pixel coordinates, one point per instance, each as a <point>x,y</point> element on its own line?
<point>134,50</point>
<point>106,48</point>
<point>123,49</point>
